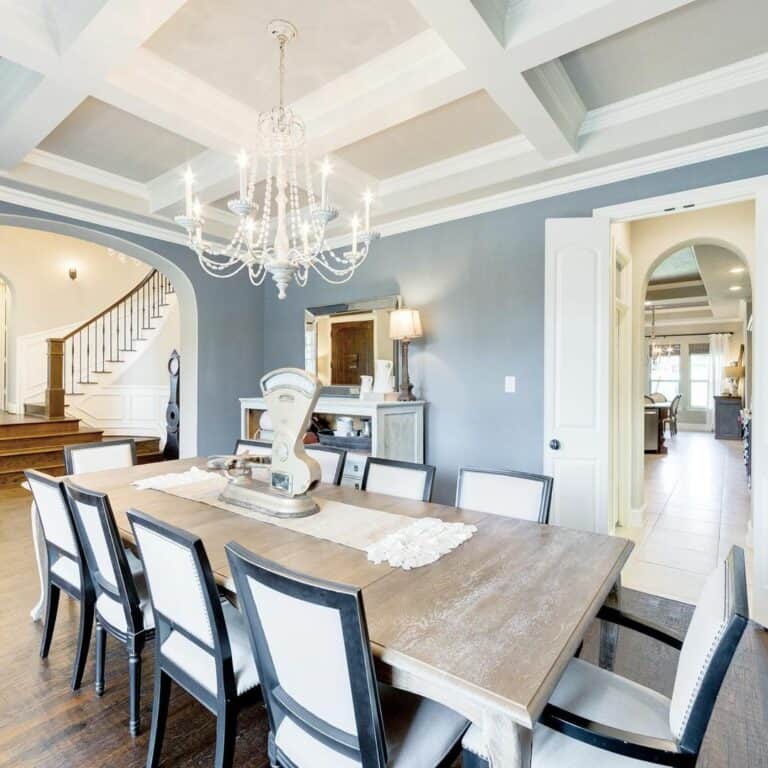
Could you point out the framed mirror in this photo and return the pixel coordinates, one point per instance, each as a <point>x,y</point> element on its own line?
<point>343,341</point>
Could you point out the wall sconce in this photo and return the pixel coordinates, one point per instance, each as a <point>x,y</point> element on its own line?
<point>72,272</point>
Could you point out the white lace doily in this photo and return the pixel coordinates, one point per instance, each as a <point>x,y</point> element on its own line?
<point>422,542</point>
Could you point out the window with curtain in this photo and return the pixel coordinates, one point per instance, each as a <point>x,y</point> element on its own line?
<point>698,395</point>
<point>665,371</point>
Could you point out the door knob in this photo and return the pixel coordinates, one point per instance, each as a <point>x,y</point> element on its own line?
<point>554,444</point>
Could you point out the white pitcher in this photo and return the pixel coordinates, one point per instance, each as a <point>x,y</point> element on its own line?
<point>384,381</point>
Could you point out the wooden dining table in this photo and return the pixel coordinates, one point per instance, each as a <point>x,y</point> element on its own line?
<point>486,630</point>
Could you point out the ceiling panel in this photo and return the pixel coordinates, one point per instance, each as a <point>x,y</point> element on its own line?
<point>681,265</point>
<point>225,42</point>
<point>695,38</point>
<point>468,123</point>
<point>105,137</point>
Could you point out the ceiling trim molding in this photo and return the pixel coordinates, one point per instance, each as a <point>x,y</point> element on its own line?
<point>88,173</point>
<point>663,161</point>
<point>713,83</point>
<point>741,142</point>
<point>81,211</point>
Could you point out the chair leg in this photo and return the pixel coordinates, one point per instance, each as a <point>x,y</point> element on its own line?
<point>51,609</point>
<point>101,650</point>
<point>83,640</point>
<point>159,717</point>
<point>226,731</point>
<point>134,684</point>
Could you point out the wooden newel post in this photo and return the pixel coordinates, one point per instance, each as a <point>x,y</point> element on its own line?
<point>54,391</point>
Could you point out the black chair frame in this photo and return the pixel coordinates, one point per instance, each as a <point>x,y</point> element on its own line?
<point>55,585</point>
<point>226,704</point>
<point>369,746</point>
<point>545,480</point>
<point>685,751</point>
<point>428,470</point>
<point>71,449</point>
<point>340,452</point>
<point>136,636</point>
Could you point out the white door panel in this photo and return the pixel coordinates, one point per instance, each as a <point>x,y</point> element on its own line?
<point>577,366</point>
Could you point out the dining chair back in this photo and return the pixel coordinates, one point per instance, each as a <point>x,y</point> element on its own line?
<point>201,641</point>
<point>406,479</point>
<point>505,492</point>
<point>122,604</point>
<point>321,696</point>
<point>718,622</point>
<point>256,447</point>
<point>331,461</point>
<point>65,569</point>
<point>94,457</point>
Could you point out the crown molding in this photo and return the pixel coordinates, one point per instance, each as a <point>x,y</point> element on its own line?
<point>82,210</point>
<point>713,83</point>
<point>662,161</point>
<point>87,173</point>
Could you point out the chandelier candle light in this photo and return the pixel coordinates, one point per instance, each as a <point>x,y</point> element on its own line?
<point>295,242</point>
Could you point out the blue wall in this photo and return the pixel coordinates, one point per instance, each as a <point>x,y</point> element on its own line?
<point>479,283</point>
<point>230,336</point>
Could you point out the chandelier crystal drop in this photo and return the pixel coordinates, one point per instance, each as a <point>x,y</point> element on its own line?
<point>288,239</point>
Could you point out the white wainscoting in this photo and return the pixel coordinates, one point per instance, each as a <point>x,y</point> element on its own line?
<point>136,409</point>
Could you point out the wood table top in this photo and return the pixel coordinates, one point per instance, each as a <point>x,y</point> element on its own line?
<point>487,628</point>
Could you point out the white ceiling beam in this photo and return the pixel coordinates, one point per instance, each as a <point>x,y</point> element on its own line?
<point>539,32</point>
<point>465,31</point>
<point>107,33</point>
<point>413,78</point>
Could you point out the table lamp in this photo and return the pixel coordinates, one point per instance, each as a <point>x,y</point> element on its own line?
<point>404,325</point>
<point>734,374</point>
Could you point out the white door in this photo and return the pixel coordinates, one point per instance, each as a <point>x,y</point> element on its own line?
<point>577,350</point>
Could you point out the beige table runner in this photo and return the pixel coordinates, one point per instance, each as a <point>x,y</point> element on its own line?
<point>385,536</point>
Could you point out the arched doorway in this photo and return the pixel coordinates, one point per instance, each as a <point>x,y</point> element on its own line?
<point>184,292</point>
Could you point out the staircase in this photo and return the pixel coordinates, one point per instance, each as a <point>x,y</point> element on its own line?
<point>77,364</point>
<point>79,360</point>
<point>29,442</point>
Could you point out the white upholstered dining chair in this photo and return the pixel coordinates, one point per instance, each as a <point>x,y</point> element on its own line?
<point>95,457</point>
<point>598,719</point>
<point>201,640</point>
<point>325,708</point>
<point>398,478</point>
<point>331,461</point>
<point>66,571</point>
<point>122,602</point>
<point>505,492</point>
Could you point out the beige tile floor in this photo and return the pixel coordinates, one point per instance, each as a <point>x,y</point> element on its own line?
<point>697,507</point>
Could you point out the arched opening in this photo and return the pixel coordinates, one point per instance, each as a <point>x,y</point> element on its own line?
<point>185,296</point>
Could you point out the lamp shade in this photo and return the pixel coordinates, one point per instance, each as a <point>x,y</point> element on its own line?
<point>734,371</point>
<point>405,324</point>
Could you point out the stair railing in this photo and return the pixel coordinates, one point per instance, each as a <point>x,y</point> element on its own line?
<point>75,359</point>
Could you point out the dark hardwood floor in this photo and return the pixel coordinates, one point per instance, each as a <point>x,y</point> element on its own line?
<point>42,724</point>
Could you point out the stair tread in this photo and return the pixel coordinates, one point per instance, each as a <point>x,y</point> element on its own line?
<point>43,435</point>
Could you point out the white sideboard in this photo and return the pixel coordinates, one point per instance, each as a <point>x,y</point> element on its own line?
<point>397,428</point>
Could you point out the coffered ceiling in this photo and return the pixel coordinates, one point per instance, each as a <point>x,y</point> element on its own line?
<point>440,107</point>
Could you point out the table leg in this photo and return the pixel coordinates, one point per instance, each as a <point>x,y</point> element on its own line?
<point>609,632</point>
<point>42,562</point>
<point>508,743</point>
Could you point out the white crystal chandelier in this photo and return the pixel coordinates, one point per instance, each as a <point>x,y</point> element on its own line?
<point>295,242</point>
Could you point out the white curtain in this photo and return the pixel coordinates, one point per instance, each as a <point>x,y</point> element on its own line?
<point>718,359</point>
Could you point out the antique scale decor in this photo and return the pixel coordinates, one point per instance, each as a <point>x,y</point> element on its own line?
<point>294,242</point>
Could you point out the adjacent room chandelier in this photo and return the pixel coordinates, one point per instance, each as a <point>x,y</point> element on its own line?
<point>657,351</point>
<point>295,242</point>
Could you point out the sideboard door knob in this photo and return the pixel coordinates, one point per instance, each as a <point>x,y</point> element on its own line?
<point>554,444</point>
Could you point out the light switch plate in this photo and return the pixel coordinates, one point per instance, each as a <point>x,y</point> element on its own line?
<point>510,384</point>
